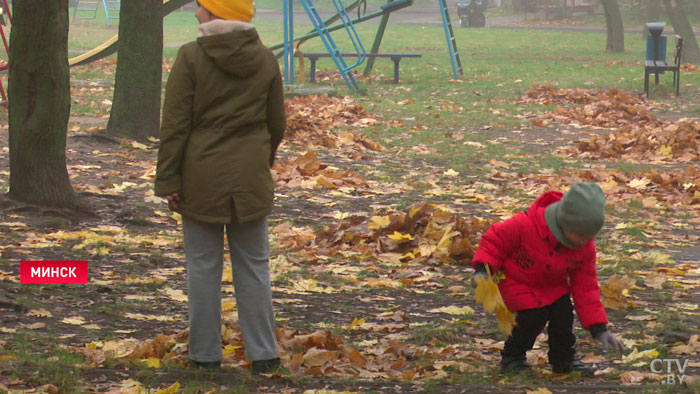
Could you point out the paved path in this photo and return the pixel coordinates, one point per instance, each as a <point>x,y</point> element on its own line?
<point>432,17</point>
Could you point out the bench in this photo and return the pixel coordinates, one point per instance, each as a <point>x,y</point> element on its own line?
<point>657,66</point>
<point>396,57</point>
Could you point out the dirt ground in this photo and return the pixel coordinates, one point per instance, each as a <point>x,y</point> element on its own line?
<point>98,162</point>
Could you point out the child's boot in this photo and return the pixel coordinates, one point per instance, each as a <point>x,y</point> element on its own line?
<point>572,366</point>
<point>514,364</point>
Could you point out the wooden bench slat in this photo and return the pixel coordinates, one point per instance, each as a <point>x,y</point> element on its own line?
<point>396,57</point>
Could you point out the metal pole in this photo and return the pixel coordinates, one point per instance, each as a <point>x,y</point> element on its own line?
<point>377,41</point>
<point>288,43</point>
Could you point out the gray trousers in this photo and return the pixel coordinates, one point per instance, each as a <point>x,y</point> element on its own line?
<point>249,248</point>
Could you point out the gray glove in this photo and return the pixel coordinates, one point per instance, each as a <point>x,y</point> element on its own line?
<point>608,340</point>
<point>479,270</point>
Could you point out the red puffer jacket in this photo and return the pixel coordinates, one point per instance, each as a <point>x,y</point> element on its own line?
<point>538,269</point>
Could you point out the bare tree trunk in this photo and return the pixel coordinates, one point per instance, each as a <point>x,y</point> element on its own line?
<point>613,20</point>
<point>39,97</point>
<point>679,20</point>
<point>138,81</point>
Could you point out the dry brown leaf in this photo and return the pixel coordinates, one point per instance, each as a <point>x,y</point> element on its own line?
<point>614,292</point>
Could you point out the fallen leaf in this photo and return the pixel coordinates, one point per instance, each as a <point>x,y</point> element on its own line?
<point>76,321</point>
<point>400,238</point>
<point>153,362</point>
<point>39,313</point>
<point>317,357</point>
<point>173,389</point>
<point>541,390</point>
<point>614,291</point>
<point>453,310</point>
<point>637,355</point>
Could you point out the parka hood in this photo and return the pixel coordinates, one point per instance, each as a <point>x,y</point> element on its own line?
<point>233,45</point>
<point>537,209</point>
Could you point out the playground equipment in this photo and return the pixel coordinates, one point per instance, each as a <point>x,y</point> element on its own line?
<point>451,41</point>
<point>323,29</point>
<point>87,9</point>
<point>4,65</point>
<point>328,41</point>
<point>109,47</point>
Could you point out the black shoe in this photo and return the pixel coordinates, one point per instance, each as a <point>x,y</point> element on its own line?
<point>573,366</point>
<point>265,366</point>
<point>205,364</point>
<point>514,365</point>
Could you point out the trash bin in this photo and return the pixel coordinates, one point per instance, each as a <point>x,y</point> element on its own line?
<point>656,44</point>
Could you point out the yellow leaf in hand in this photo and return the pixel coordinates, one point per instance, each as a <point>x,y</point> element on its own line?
<point>487,294</point>
<point>506,320</point>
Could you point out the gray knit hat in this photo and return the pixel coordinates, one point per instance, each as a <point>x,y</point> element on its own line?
<point>581,211</point>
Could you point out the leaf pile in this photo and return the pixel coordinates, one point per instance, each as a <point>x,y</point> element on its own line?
<point>675,142</point>
<point>308,173</point>
<point>318,353</point>
<point>666,190</point>
<point>425,233</point>
<point>639,136</point>
<point>690,67</point>
<point>324,75</point>
<point>311,120</point>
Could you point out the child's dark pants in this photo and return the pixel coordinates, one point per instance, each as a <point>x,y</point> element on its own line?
<point>531,322</point>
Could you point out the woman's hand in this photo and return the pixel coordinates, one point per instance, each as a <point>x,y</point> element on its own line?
<point>173,199</point>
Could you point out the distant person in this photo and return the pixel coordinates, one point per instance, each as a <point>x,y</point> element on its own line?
<point>223,119</point>
<point>547,255</point>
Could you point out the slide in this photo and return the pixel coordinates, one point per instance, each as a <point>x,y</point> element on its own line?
<point>109,47</point>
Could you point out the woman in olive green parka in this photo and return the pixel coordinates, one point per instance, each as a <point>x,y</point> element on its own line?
<point>223,120</point>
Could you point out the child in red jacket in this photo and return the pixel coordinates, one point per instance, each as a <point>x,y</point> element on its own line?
<point>547,255</point>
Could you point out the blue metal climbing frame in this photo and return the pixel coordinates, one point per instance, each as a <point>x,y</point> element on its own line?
<point>288,42</point>
<point>87,9</point>
<point>323,31</point>
<point>320,26</point>
<point>451,41</point>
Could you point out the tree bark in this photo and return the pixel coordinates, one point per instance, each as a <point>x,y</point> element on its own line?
<point>39,103</point>
<point>613,21</point>
<point>138,82</point>
<point>682,27</point>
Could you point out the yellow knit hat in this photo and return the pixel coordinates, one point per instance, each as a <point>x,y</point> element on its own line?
<point>238,10</point>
